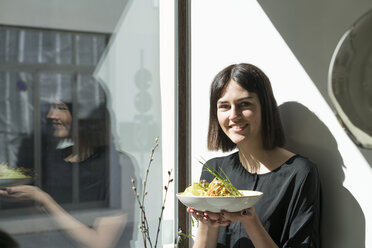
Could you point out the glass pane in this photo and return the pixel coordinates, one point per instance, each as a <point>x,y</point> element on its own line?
<point>29,46</point>
<point>130,73</point>
<point>56,47</point>
<point>16,120</point>
<point>48,47</point>
<point>8,44</point>
<point>84,139</point>
<point>63,48</point>
<point>89,49</point>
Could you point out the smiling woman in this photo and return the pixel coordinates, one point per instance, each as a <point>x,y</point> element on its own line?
<point>257,90</point>
<point>244,115</point>
<point>235,109</point>
<point>60,116</point>
<point>76,141</point>
<point>78,155</point>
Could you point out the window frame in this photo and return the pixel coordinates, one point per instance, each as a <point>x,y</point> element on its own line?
<point>184,107</point>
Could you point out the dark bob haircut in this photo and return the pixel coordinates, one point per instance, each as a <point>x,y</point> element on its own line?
<point>253,80</point>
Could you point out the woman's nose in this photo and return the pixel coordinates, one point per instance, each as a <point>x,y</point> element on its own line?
<point>234,113</point>
<point>51,113</point>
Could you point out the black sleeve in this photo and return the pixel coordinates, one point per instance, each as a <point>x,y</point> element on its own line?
<point>304,219</point>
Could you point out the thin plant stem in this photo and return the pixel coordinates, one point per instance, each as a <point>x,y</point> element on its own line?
<point>163,206</point>
<point>144,193</point>
<point>144,226</point>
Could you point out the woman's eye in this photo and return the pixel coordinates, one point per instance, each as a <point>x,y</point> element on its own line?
<point>223,106</point>
<point>245,104</point>
<point>62,107</point>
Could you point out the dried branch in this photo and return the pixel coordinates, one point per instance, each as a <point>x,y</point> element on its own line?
<point>144,226</point>
<point>163,206</point>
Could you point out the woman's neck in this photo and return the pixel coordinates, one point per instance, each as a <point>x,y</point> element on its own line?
<point>80,155</point>
<point>252,160</point>
<point>262,161</point>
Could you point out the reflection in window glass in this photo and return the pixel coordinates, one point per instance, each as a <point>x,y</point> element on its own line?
<point>55,123</point>
<point>84,140</point>
<point>130,72</point>
<point>16,118</point>
<point>9,40</point>
<point>88,49</point>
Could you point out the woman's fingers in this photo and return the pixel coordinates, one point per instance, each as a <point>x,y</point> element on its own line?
<point>3,191</point>
<point>210,218</point>
<point>237,216</point>
<point>7,195</point>
<point>22,192</point>
<point>217,217</point>
<point>199,215</point>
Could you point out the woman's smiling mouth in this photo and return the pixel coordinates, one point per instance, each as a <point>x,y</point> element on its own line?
<point>238,128</point>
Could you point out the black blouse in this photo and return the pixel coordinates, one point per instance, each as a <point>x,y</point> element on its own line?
<point>92,176</point>
<point>289,208</point>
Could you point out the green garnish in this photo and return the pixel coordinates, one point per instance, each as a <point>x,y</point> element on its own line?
<point>196,189</point>
<point>6,172</point>
<point>223,179</point>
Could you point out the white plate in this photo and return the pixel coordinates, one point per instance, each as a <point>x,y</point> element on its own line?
<point>218,203</point>
<point>350,81</point>
<point>7,182</point>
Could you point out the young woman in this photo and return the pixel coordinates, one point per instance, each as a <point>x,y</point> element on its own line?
<point>244,115</point>
<point>77,149</point>
<point>78,154</point>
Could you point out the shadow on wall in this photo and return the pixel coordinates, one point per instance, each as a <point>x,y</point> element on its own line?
<point>312,30</point>
<point>343,222</point>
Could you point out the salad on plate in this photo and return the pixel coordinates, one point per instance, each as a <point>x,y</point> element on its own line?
<point>13,176</point>
<point>219,194</point>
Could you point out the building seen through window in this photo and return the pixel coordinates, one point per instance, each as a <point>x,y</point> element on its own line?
<point>37,68</point>
<point>55,125</point>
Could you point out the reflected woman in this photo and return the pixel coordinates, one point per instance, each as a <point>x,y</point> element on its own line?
<point>76,160</point>
<point>81,168</point>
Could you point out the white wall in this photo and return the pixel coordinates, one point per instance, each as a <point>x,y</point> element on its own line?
<point>279,37</point>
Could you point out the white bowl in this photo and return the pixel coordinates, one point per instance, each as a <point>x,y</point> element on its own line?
<point>7,182</point>
<point>217,203</point>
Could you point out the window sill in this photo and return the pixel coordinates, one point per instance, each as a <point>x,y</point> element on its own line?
<point>44,222</point>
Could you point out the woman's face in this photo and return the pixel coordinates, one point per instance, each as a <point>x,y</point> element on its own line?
<point>60,117</point>
<point>239,114</point>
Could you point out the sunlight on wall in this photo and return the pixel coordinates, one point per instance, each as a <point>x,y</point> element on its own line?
<point>239,31</point>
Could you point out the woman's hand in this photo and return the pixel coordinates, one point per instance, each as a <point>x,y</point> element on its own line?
<point>23,193</point>
<point>209,222</point>
<point>224,218</point>
<point>242,216</point>
<point>209,218</point>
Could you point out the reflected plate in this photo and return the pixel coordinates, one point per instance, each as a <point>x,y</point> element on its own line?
<point>7,182</point>
<point>218,203</point>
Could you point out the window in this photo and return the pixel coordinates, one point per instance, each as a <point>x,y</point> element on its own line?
<point>138,81</point>
<point>37,68</point>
